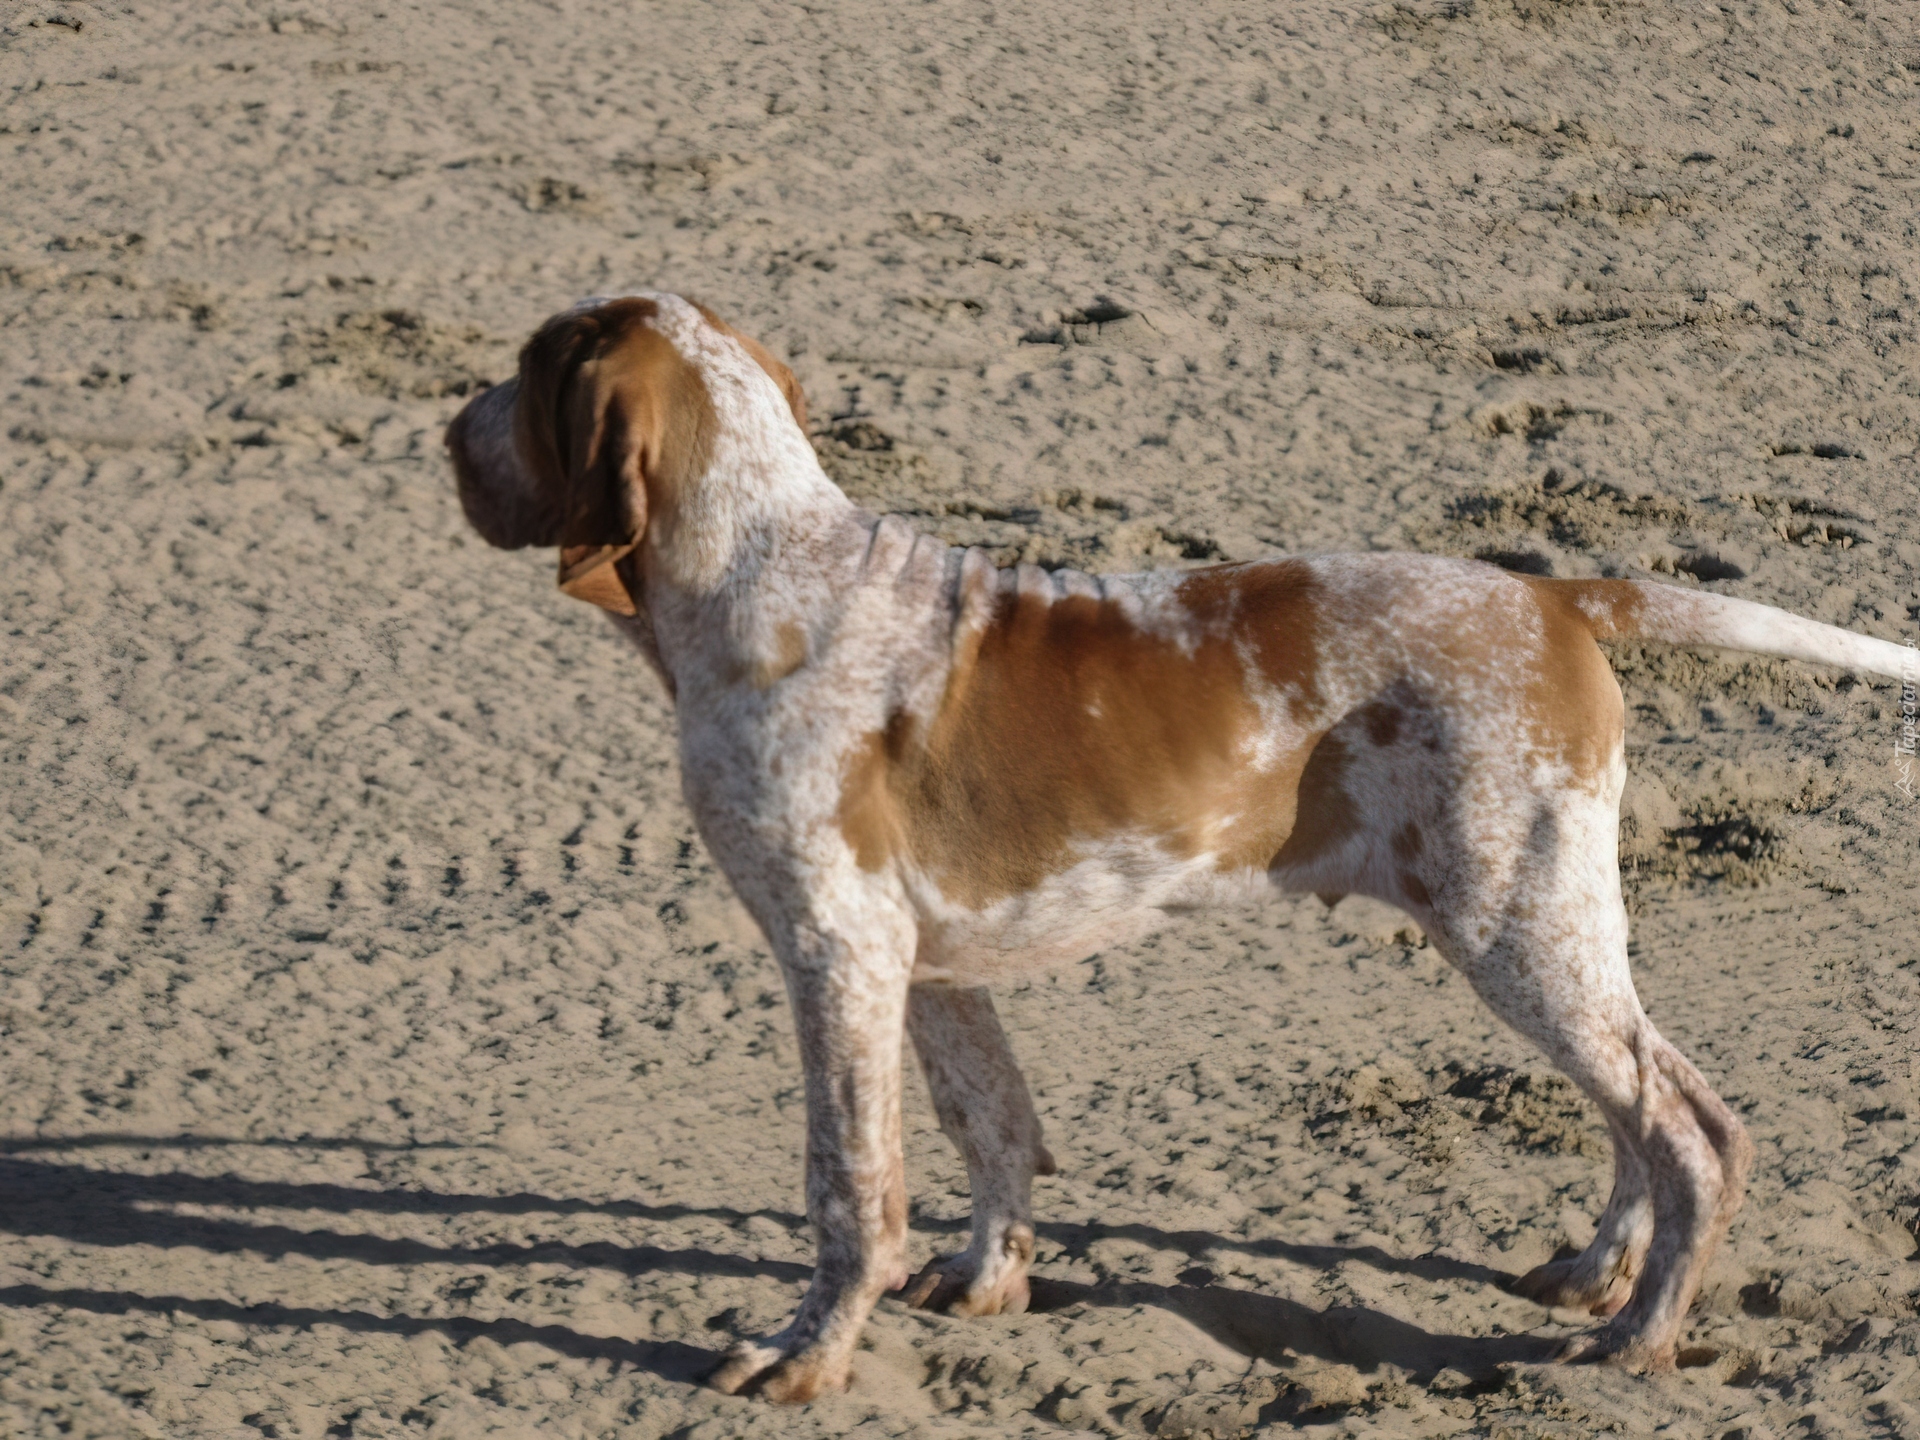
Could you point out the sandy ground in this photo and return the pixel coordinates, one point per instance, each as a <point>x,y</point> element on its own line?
<point>380,1053</point>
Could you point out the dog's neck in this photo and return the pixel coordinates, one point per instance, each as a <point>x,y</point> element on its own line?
<point>747,565</point>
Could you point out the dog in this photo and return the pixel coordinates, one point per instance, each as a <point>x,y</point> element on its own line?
<point>924,774</point>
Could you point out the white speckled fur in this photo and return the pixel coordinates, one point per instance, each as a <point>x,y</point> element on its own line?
<point>1519,886</point>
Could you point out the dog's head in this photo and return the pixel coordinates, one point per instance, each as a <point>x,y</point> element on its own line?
<point>607,423</point>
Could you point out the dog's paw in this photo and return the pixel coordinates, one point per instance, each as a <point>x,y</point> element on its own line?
<point>1566,1284</point>
<point>1620,1347</point>
<point>967,1284</point>
<point>757,1367</point>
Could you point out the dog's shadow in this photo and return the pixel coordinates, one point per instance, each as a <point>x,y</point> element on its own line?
<point>95,1207</point>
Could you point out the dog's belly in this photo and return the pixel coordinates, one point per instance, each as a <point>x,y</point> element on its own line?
<point>1119,893</point>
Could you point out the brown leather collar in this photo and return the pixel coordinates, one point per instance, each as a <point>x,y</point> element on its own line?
<point>594,573</point>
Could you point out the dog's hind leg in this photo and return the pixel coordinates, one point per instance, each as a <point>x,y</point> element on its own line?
<point>984,1108</point>
<point>1600,1278</point>
<point>1546,946</point>
<point>1697,1157</point>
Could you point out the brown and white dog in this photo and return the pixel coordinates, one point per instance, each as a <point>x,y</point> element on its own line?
<point>924,774</point>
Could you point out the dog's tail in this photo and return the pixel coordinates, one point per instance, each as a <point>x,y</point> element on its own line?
<point>1669,615</point>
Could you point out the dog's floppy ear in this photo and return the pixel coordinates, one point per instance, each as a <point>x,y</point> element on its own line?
<point>782,376</point>
<point>580,427</point>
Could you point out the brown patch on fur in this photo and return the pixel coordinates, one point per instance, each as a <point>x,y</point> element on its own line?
<point>868,816</point>
<point>1611,608</point>
<point>1065,724</point>
<point>1574,707</point>
<point>782,376</point>
<point>1269,605</point>
<point>611,422</point>
<point>789,654</point>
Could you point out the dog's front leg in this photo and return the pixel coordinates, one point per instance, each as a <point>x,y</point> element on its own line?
<point>849,995</point>
<point>983,1105</point>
